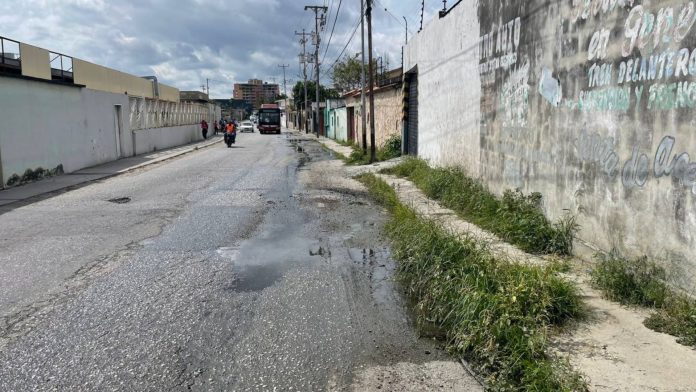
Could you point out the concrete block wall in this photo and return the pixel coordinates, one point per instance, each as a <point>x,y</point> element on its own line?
<point>388,113</point>
<point>589,102</point>
<point>44,124</point>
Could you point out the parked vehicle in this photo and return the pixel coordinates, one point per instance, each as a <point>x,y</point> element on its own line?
<point>246,126</point>
<point>269,118</point>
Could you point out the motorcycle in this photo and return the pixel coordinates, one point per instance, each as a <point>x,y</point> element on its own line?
<point>230,139</point>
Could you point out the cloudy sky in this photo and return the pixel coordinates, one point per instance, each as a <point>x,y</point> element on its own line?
<point>183,42</point>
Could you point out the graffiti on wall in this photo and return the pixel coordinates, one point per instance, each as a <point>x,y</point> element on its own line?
<point>514,97</point>
<point>498,49</point>
<point>636,171</point>
<point>593,148</point>
<point>653,68</point>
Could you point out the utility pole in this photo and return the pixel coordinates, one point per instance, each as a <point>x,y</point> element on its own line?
<point>285,86</point>
<point>363,115</point>
<point>303,60</point>
<point>317,41</point>
<point>406,43</point>
<point>207,87</point>
<point>285,92</point>
<point>372,93</point>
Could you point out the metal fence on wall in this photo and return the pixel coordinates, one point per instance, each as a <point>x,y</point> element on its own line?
<point>152,113</point>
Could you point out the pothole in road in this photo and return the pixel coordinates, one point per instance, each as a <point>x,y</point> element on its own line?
<point>120,200</point>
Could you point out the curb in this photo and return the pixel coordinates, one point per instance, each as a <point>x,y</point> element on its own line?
<point>118,173</point>
<point>166,157</point>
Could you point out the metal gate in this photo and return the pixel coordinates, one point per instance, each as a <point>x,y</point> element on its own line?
<point>412,132</point>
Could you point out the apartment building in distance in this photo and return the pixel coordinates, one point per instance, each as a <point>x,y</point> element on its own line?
<point>256,92</point>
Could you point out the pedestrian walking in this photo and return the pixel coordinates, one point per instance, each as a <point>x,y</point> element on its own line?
<point>204,128</point>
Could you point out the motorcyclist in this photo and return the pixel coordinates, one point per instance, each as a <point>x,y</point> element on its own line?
<point>230,134</point>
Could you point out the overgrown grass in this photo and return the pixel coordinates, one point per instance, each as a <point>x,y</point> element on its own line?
<point>494,313</point>
<point>391,149</point>
<point>642,282</point>
<point>515,218</point>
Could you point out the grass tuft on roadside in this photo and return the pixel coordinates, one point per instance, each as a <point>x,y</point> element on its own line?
<point>495,313</point>
<point>641,282</point>
<point>515,218</point>
<point>391,149</point>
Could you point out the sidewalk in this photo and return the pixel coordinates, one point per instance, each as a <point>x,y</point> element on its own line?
<point>106,170</point>
<point>613,349</point>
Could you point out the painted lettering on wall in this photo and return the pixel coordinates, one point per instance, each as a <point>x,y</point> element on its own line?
<point>679,167</point>
<point>593,148</point>
<point>653,69</point>
<point>585,9</point>
<point>514,97</point>
<point>498,49</point>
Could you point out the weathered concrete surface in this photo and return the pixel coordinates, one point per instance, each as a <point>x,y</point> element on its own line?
<point>265,272</point>
<point>589,103</point>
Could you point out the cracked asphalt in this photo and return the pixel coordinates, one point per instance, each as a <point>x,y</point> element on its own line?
<point>256,268</point>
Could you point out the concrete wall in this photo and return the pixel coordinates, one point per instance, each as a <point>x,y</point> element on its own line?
<point>106,79</point>
<point>388,113</point>
<point>46,125</point>
<point>590,103</point>
<point>149,140</point>
<point>341,124</point>
<point>168,93</point>
<point>35,61</point>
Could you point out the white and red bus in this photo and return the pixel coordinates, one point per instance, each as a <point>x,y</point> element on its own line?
<point>269,118</point>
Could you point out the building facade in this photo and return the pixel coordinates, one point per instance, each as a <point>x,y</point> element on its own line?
<point>256,92</point>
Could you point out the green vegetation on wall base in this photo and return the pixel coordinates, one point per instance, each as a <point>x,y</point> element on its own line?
<point>515,218</point>
<point>640,282</point>
<point>495,314</point>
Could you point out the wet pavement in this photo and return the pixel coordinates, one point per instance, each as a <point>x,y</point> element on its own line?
<point>256,268</point>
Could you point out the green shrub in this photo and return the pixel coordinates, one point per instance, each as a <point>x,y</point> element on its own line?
<point>391,148</point>
<point>496,314</point>
<point>516,218</point>
<point>630,282</point>
<point>641,282</point>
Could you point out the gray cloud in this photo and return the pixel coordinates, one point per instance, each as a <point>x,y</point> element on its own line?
<point>184,42</point>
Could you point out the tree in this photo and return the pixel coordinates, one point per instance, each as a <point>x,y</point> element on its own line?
<point>346,74</point>
<point>324,93</point>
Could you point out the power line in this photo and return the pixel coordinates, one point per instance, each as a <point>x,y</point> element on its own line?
<point>338,10</point>
<point>392,15</point>
<point>345,47</point>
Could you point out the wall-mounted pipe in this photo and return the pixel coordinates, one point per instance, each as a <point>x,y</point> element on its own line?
<point>155,85</point>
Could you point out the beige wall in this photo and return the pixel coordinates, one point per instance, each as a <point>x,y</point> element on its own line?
<point>168,93</point>
<point>35,61</point>
<point>101,78</point>
<point>388,112</point>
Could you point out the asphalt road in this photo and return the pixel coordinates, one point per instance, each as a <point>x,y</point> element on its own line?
<point>250,269</point>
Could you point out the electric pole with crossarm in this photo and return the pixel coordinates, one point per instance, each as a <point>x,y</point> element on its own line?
<point>303,62</point>
<point>318,16</point>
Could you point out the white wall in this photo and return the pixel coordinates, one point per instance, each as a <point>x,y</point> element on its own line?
<point>45,125</point>
<point>449,89</point>
<point>149,140</point>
